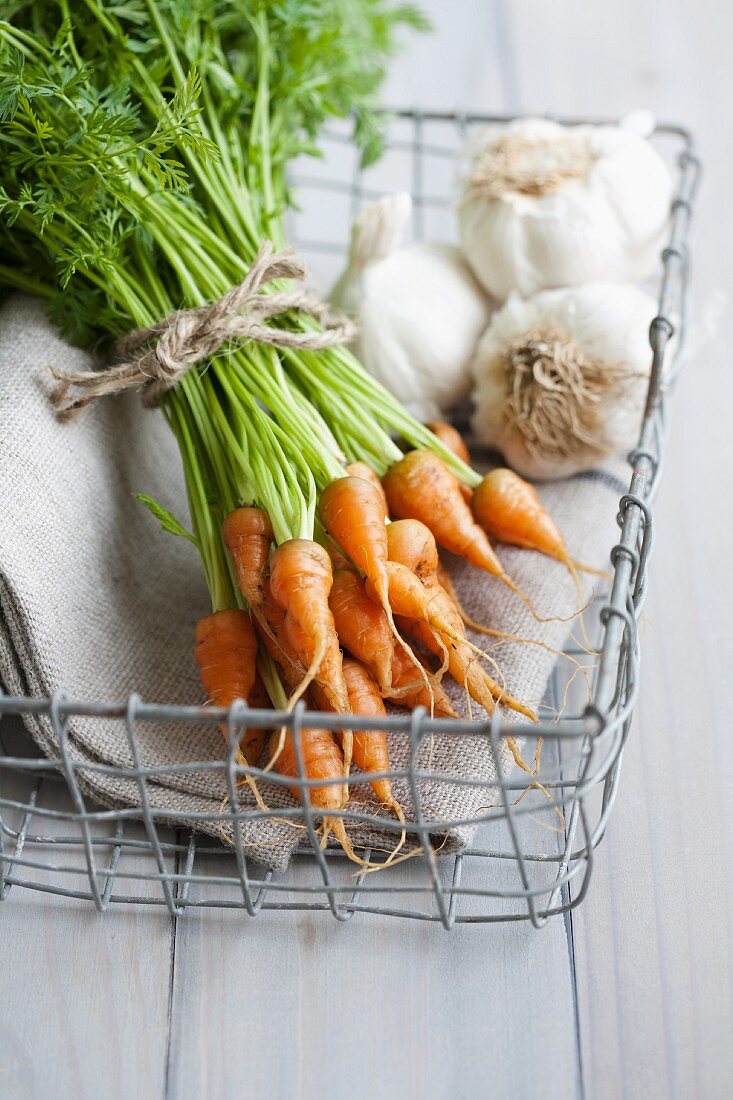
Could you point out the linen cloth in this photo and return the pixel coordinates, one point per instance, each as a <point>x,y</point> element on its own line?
<point>96,600</point>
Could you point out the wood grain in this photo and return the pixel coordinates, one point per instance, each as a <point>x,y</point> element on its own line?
<point>654,940</point>
<point>307,1007</point>
<point>84,1001</point>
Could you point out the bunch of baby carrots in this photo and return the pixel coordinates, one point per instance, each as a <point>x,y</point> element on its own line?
<point>364,614</point>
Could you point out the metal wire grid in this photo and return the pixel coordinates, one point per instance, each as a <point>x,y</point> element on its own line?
<point>518,869</point>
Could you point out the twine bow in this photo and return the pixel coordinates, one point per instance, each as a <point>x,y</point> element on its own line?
<point>153,359</point>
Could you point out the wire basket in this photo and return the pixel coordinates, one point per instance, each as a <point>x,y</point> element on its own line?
<point>517,868</point>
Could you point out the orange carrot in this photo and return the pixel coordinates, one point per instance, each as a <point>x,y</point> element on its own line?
<point>411,692</point>
<point>329,674</point>
<point>353,513</point>
<point>362,626</point>
<point>321,760</point>
<point>253,740</point>
<point>508,508</point>
<point>462,658</point>
<point>416,592</point>
<point>364,631</point>
<point>446,582</point>
<point>371,752</point>
<point>464,668</point>
<point>445,579</point>
<point>271,628</point>
<point>370,746</point>
<point>226,652</point>
<point>409,598</point>
<point>420,486</point>
<point>451,438</point>
<point>248,534</point>
<point>413,546</point>
<point>300,581</point>
<point>361,469</point>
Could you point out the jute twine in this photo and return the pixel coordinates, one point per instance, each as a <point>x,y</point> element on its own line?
<point>153,359</point>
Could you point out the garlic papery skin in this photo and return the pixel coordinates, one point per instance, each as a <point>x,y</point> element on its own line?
<point>419,310</point>
<point>546,205</point>
<point>560,379</point>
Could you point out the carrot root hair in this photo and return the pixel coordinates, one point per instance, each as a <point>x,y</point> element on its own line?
<point>337,827</point>
<point>383,599</point>
<point>310,673</point>
<point>591,570</point>
<point>507,635</point>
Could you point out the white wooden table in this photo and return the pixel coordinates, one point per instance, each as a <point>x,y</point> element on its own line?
<point>632,996</point>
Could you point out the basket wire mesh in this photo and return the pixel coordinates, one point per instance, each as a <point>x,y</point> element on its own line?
<point>524,865</point>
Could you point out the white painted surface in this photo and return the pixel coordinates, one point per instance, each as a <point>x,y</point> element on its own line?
<point>637,989</point>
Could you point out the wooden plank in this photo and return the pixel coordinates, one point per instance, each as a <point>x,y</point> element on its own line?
<point>84,994</point>
<point>296,1004</point>
<point>654,939</point>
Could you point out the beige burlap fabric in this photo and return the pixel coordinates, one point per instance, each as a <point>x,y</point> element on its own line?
<point>95,600</point>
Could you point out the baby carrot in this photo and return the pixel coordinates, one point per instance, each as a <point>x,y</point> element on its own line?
<point>412,544</point>
<point>300,580</point>
<point>453,440</point>
<point>247,533</point>
<point>337,556</point>
<point>413,547</point>
<point>354,514</point>
<point>370,746</point>
<point>362,626</point>
<point>362,470</point>
<point>408,691</point>
<point>321,760</point>
<point>329,673</point>
<point>226,653</point>
<point>253,740</point>
<point>271,628</point>
<point>364,631</point>
<point>420,486</point>
<point>508,508</point>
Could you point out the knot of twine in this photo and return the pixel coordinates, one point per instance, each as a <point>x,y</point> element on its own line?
<point>153,359</point>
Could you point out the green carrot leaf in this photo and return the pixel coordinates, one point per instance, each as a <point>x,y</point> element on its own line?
<point>166,519</point>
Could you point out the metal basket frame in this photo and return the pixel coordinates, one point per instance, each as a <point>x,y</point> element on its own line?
<point>547,882</point>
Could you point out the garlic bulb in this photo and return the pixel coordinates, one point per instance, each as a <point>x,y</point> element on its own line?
<point>561,378</point>
<point>419,309</point>
<point>546,205</point>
